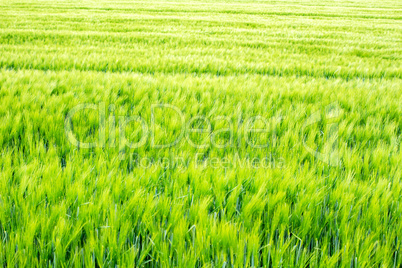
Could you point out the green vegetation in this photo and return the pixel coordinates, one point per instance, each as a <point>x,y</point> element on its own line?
<point>325,192</point>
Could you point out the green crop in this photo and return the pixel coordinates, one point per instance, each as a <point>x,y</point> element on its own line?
<point>200,134</point>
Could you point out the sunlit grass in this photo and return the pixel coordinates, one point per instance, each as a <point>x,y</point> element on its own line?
<point>216,205</point>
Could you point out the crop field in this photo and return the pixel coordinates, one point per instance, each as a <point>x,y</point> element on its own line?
<point>200,133</point>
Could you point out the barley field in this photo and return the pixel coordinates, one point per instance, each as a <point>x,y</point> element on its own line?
<point>200,133</point>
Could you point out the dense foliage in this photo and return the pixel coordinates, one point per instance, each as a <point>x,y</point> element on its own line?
<point>217,70</point>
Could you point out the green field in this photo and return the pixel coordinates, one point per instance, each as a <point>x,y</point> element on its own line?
<point>200,134</point>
